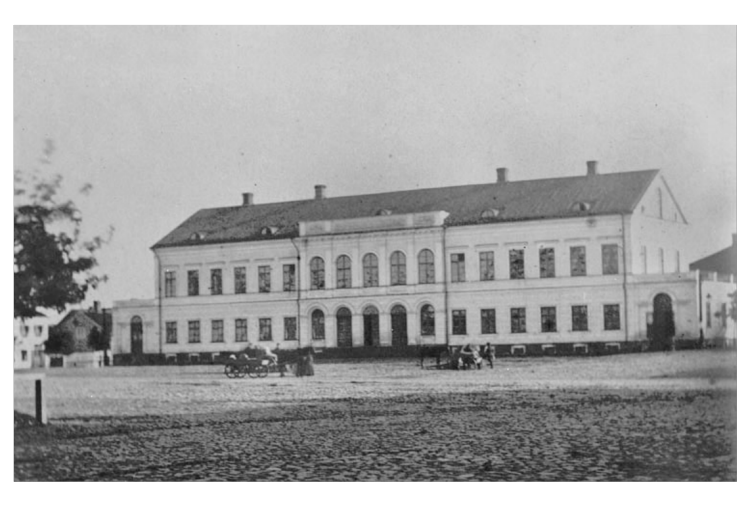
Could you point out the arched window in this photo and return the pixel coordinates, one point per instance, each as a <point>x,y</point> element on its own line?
<point>426,261</point>
<point>398,326</point>
<point>343,272</point>
<point>427,320</point>
<point>344,328</point>
<point>318,324</point>
<point>136,335</point>
<point>370,270</point>
<point>317,274</point>
<point>371,326</point>
<point>398,268</point>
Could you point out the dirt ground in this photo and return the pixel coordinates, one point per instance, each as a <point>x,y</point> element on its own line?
<point>639,417</point>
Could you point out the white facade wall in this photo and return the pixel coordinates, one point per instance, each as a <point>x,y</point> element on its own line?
<point>660,234</point>
<point>593,290</point>
<point>718,327</point>
<point>29,336</point>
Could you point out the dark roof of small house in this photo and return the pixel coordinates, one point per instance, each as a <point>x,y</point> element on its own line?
<point>722,262</point>
<point>603,194</point>
<point>103,320</point>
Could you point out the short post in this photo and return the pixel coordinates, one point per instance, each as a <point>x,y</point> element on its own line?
<point>41,407</point>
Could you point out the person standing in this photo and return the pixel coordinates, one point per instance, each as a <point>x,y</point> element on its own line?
<point>489,354</point>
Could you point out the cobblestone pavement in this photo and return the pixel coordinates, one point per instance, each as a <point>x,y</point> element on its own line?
<point>627,417</point>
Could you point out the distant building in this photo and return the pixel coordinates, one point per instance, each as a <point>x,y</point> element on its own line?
<point>718,284</point>
<point>29,336</point>
<point>562,264</point>
<point>80,323</point>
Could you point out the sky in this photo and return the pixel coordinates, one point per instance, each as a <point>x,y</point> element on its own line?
<point>164,121</point>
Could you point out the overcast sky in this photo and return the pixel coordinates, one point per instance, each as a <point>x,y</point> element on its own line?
<point>166,121</point>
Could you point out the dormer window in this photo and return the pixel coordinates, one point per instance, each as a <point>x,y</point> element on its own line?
<point>582,206</point>
<point>269,230</point>
<point>383,212</point>
<point>488,214</point>
<point>197,236</point>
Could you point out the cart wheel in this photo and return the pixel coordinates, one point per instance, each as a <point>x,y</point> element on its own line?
<point>250,370</point>
<point>236,371</point>
<point>241,371</point>
<point>261,371</point>
<point>229,370</point>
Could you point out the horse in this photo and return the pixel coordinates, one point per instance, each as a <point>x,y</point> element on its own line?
<point>432,351</point>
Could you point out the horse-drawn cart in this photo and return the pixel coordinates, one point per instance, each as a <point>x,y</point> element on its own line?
<point>252,368</point>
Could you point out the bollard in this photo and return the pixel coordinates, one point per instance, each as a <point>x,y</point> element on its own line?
<point>41,408</point>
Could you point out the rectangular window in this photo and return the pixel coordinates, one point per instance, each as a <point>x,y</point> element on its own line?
<point>517,320</point>
<point>677,261</point>
<point>171,332</point>
<point>193,284</point>
<point>24,355</point>
<point>488,321</point>
<point>516,264</point>
<point>170,284</point>
<point>578,261</point>
<point>458,268</point>
<point>240,280</point>
<point>194,331</point>
<point>217,331</point>
<point>290,277</point>
<point>708,314</point>
<point>547,263</point>
<point>459,322</point>
<point>264,278</point>
<point>486,266</point>
<point>644,259</point>
<point>580,318</point>
<point>290,329</point>
<point>264,329</point>
<point>240,330</point>
<point>723,314</point>
<point>216,285</point>
<point>549,319</point>
<point>611,317</point>
<point>610,260</point>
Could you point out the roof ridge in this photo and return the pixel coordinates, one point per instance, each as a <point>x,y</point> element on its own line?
<point>434,188</point>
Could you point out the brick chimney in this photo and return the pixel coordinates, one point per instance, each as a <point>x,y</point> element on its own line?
<point>320,191</point>
<point>591,168</point>
<point>247,199</point>
<point>502,175</point>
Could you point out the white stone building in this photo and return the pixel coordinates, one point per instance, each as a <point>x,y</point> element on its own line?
<point>29,335</point>
<point>555,264</point>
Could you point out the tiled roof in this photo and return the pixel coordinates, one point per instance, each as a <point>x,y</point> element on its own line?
<point>723,262</point>
<point>516,200</point>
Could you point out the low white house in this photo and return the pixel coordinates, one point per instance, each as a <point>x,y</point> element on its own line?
<point>29,336</point>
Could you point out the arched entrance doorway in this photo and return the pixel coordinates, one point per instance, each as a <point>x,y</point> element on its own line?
<point>661,330</point>
<point>371,318</point>
<point>136,335</point>
<point>344,328</point>
<point>398,326</point>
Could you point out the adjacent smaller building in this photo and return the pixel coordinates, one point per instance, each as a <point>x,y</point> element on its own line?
<point>29,336</point>
<point>80,324</point>
<point>718,294</point>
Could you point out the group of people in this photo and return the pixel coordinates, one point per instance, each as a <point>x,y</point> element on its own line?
<point>303,363</point>
<point>470,354</point>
